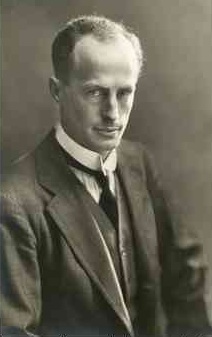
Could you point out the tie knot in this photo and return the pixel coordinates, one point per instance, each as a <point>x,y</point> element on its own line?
<point>101,178</point>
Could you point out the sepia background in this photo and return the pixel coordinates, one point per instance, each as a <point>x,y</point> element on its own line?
<point>172,113</point>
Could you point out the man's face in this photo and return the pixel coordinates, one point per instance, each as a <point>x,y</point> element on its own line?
<point>95,106</point>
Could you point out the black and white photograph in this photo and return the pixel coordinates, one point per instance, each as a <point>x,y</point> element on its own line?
<point>106,168</point>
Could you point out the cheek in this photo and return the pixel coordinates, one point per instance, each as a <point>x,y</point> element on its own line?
<point>130,102</point>
<point>127,102</point>
<point>76,109</point>
<point>86,116</point>
<point>125,119</point>
<point>126,108</point>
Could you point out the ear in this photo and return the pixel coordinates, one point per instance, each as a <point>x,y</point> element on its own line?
<point>55,88</point>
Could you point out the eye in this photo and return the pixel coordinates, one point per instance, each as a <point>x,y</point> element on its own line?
<point>124,92</point>
<point>94,92</point>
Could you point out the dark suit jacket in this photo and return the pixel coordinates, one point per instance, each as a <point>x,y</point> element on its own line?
<point>56,274</point>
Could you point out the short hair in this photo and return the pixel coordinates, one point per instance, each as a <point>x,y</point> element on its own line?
<point>101,28</point>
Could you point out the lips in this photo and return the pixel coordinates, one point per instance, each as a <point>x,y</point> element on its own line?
<point>108,131</point>
<point>108,128</point>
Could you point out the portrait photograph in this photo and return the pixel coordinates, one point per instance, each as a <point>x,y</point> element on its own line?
<point>106,168</point>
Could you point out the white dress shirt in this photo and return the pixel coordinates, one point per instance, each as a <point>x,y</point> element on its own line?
<point>92,160</point>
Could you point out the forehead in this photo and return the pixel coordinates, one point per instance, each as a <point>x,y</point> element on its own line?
<point>93,57</point>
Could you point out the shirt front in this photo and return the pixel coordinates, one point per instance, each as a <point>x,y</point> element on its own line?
<point>90,159</point>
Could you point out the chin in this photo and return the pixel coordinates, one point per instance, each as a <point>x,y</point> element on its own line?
<point>108,147</point>
<point>102,146</point>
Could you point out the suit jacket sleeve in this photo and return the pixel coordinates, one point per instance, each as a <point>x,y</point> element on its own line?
<point>20,277</point>
<point>182,264</point>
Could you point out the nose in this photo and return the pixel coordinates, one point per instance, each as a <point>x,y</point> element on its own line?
<point>111,108</point>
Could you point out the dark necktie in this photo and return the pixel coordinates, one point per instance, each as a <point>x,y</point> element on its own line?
<point>107,200</point>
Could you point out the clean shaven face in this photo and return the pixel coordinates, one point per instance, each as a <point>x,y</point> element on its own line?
<point>95,106</point>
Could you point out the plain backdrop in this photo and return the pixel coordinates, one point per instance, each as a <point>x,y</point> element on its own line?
<point>172,114</point>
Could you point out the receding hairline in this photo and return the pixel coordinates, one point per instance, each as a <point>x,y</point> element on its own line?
<point>99,27</point>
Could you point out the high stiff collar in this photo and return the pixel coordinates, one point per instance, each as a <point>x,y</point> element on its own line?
<point>84,156</point>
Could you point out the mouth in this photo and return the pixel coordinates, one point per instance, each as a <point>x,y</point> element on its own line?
<point>108,131</point>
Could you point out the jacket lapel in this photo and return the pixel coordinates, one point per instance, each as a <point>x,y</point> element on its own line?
<point>132,175</point>
<point>78,225</point>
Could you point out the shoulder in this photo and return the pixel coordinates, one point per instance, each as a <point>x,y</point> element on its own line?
<point>19,187</point>
<point>22,174</point>
<point>18,175</point>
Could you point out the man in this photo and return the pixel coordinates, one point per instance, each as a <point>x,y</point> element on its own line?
<point>88,246</point>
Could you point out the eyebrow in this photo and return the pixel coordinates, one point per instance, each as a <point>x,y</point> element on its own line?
<point>93,84</point>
